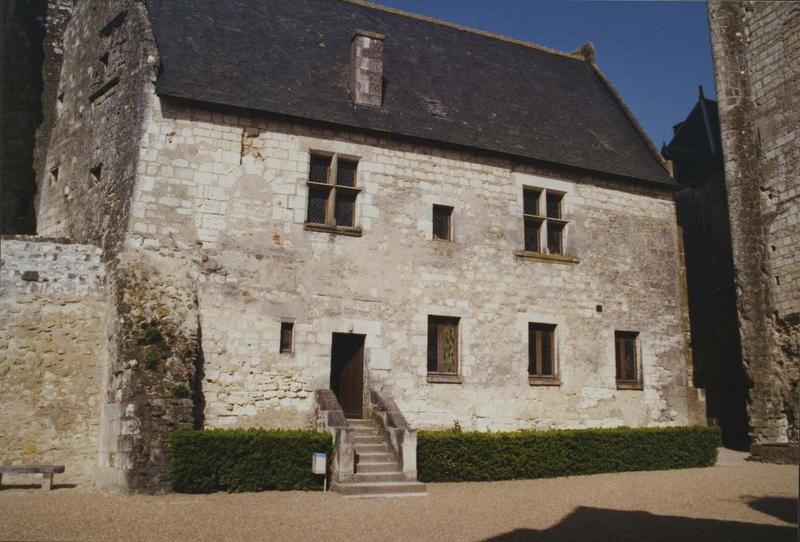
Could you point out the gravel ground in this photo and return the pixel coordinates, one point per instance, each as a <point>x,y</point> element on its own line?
<point>734,500</point>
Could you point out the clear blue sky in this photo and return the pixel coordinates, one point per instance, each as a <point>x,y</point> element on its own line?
<point>655,53</point>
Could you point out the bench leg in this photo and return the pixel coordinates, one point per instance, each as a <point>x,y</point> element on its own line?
<point>1,479</point>
<point>47,480</point>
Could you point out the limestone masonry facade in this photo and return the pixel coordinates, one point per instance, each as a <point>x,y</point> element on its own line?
<point>202,216</point>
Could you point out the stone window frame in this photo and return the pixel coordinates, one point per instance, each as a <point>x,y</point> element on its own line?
<point>331,185</point>
<point>437,377</point>
<point>535,379</point>
<point>526,180</point>
<point>622,336</point>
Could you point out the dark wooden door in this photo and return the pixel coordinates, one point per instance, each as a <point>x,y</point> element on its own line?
<point>347,372</point>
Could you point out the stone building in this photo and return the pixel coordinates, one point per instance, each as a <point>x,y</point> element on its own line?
<point>695,152</point>
<point>440,224</point>
<point>756,48</point>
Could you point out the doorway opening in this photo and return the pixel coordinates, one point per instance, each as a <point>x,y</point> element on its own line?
<point>347,372</point>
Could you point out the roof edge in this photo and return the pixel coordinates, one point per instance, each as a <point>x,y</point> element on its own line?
<point>439,143</point>
<point>631,117</point>
<point>577,55</point>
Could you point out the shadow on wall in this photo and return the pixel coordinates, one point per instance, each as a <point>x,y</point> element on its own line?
<point>601,524</point>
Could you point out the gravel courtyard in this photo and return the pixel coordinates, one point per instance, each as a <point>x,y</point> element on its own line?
<point>735,500</point>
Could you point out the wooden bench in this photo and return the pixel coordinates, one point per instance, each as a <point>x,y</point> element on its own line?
<point>44,471</point>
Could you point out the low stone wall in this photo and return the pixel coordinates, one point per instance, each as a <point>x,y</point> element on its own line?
<point>52,352</point>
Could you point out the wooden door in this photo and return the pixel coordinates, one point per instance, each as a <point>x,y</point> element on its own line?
<point>347,372</point>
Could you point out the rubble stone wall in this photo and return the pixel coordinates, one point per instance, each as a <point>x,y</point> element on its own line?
<point>756,47</point>
<point>52,354</point>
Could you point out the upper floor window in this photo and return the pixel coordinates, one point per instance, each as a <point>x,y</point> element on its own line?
<point>544,220</point>
<point>541,353</point>
<point>443,349</point>
<point>443,222</point>
<point>626,353</point>
<point>332,192</point>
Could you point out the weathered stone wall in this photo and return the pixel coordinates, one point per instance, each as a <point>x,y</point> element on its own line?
<point>52,353</point>
<point>93,106</point>
<point>225,195</point>
<point>756,47</point>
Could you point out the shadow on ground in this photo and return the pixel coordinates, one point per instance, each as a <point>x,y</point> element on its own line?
<point>783,508</point>
<point>601,524</point>
<point>5,487</point>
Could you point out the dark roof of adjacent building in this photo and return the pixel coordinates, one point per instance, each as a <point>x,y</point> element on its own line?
<point>695,148</point>
<point>442,83</point>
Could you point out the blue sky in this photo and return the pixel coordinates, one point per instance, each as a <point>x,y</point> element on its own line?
<point>655,53</point>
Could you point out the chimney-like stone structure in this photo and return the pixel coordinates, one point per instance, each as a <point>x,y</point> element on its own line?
<point>366,65</point>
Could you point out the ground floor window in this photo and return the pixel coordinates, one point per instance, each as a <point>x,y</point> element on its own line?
<point>443,345</point>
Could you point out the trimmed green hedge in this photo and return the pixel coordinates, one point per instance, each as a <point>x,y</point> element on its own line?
<point>452,456</point>
<point>244,460</point>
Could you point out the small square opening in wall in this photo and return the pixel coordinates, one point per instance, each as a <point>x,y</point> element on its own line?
<point>287,336</point>
<point>53,179</point>
<point>443,222</point>
<point>95,173</point>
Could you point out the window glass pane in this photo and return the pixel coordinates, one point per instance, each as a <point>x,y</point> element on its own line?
<point>441,222</point>
<point>346,172</point>
<point>554,205</point>
<point>630,359</point>
<point>433,345</point>
<point>448,347</point>
<point>345,208</point>
<point>317,203</point>
<point>541,350</point>
<point>318,169</point>
<point>532,235</point>
<point>625,354</point>
<point>530,202</point>
<point>547,353</point>
<point>554,238</point>
<point>286,336</point>
<point>442,344</point>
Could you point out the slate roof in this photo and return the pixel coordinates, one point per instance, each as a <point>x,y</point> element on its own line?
<point>292,58</point>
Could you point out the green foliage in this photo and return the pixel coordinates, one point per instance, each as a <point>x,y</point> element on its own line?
<point>151,334</point>
<point>244,460</point>
<point>151,358</point>
<point>451,456</point>
<point>181,391</point>
<point>157,349</point>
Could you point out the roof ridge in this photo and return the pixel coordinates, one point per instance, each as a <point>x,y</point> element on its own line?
<point>394,11</point>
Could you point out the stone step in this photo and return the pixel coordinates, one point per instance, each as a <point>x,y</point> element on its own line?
<point>360,423</point>
<point>366,432</point>
<point>379,489</point>
<point>396,476</point>
<point>377,467</point>
<point>374,457</point>
<point>367,439</point>
<point>371,448</point>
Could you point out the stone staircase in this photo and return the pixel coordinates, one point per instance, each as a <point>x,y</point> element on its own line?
<point>378,472</point>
